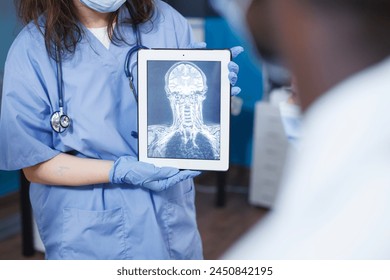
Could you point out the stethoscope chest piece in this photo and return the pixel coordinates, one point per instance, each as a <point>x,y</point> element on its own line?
<point>59,121</point>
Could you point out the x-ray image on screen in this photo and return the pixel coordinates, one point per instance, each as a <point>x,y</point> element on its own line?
<point>184,109</point>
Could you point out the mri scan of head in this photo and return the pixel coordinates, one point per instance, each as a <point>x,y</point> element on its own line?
<point>188,136</point>
<point>186,87</point>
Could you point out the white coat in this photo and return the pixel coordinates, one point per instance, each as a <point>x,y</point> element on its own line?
<point>335,199</point>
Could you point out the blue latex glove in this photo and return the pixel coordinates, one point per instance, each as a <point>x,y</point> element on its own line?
<point>128,170</point>
<point>233,67</point>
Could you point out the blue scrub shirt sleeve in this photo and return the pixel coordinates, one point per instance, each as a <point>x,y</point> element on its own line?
<point>26,138</point>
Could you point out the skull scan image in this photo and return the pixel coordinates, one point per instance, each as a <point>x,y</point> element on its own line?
<point>188,137</point>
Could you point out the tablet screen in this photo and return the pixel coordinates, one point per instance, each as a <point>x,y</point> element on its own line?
<point>184,108</point>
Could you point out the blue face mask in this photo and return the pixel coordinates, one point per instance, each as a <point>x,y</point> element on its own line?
<point>103,6</point>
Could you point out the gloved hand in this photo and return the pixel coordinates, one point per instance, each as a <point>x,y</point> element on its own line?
<point>234,69</point>
<point>128,170</point>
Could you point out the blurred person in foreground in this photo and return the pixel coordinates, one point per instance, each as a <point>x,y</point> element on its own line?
<point>334,202</point>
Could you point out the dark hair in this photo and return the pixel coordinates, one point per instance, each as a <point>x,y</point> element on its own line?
<point>61,27</point>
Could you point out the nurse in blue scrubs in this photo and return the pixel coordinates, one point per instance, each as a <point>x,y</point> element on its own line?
<point>91,198</point>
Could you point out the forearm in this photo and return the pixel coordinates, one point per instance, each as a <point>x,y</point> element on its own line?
<point>67,170</point>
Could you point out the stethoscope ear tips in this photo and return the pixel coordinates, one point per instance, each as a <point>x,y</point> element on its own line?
<point>59,122</point>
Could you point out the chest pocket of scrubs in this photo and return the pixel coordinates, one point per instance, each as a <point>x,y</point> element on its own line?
<point>93,234</point>
<point>183,235</point>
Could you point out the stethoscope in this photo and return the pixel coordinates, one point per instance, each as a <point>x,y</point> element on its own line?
<point>128,68</point>
<point>59,120</point>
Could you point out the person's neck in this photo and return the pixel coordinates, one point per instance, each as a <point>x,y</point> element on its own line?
<point>335,53</point>
<point>90,18</point>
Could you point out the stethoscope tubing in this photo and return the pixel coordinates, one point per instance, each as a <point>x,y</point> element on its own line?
<point>127,66</point>
<point>59,120</point>
<point>128,69</point>
<point>60,83</point>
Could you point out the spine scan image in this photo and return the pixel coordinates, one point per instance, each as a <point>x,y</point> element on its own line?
<point>188,137</point>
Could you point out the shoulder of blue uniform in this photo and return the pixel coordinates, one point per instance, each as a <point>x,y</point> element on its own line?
<point>29,38</point>
<point>162,5</point>
<point>166,9</point>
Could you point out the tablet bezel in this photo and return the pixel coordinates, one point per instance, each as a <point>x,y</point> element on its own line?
<point>194,56</point>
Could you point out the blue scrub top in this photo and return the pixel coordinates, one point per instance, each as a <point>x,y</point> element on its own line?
<point>100,221</point>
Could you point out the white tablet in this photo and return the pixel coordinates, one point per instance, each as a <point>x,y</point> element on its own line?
<point>184,108</point>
